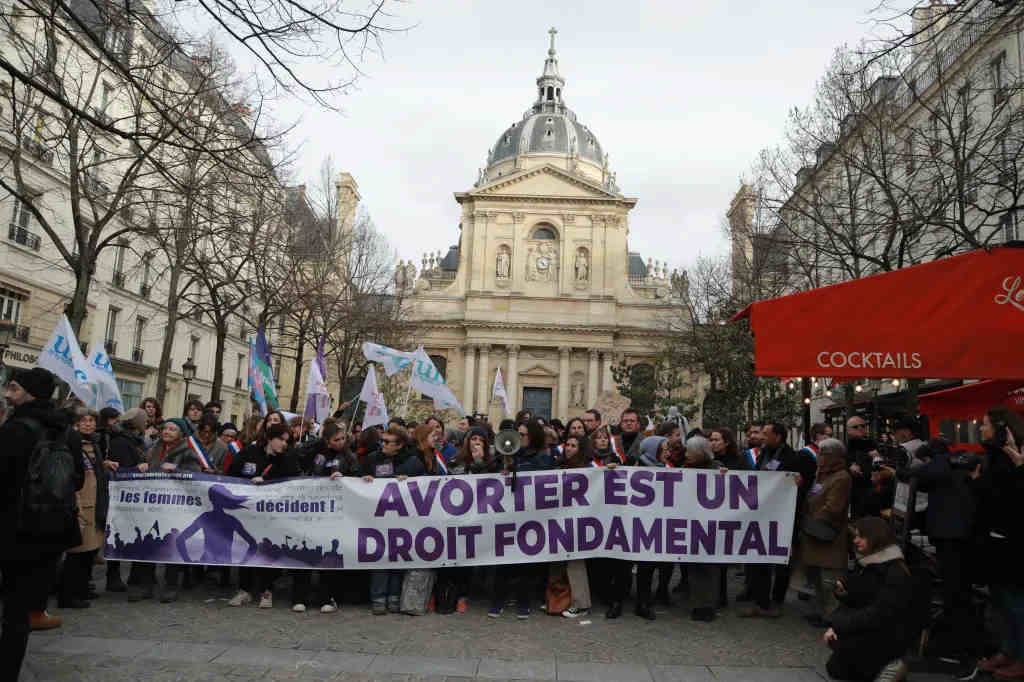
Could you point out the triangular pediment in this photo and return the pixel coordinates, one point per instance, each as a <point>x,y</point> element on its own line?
<point>538,370</point>
<point>546,180</point>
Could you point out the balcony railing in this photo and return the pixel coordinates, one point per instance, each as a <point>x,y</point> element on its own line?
<point>19,235</point>
<point>144,291</point>
<point>137,354</point>
<point>93,185</point>
<point>111,347</point>
<point>119,280</point>
<point>21,334</point>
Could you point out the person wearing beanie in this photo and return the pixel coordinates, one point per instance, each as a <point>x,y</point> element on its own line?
<point>28,562</point>
<point>126,448</point>
<point>653,452</point>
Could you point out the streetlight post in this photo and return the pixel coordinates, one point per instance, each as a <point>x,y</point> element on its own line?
<point>7,329</point>
<point>188,373</point>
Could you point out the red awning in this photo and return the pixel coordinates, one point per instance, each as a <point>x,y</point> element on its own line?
<point>972,400</point>
<point>958,317</point>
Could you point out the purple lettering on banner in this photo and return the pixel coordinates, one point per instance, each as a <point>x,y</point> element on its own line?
<point>453,550</point>
<point>675,536</point>
<point>560,535</point>
<point>519,494</point>
<point>521,538</point>
<point>642,539</point>
<point>429,533</point>
<point>423,504</point>
<point>363,537</point>
<point>669,479</point>
<point>503,537</point>
<point>701,536</point>
<point>738,491</point>
<point>617,535</point>
<point>614,486</point>
<point>545,491</point>
<point>470,533</point>
<point>489,492</point>
<point>574,489</point>
<point>391,500</point>
<point>752,540</point>
<point>730,528</point>
<point>585,524</point>
<point>640,482</point>
<point>465,502</point>
<point>703,499</point>
<point>774,548</point>
<point>399,542</point>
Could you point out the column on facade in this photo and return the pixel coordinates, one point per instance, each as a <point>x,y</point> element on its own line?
<point>592,378</point>
<point>608,381</point>
<point>469,353</point>
<point>563,383</point>
<point>484,381</point>
<point>512,380</point>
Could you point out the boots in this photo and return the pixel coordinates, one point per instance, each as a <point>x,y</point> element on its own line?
<point>42,620</point>
<point>895,671</point>
<point>114,582</point>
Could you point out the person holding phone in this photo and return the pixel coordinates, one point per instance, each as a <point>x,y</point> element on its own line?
<point>999,487</point>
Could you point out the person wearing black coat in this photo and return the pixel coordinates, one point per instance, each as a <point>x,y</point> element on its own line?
<point>874,624</point>
<point>860,455</point>
<point>28,561</point>
<point>777,455</point>
<point>533,455</point>
<point>950,525</point>
<point>395,459</point>
<point>126,447</point>
<point>263,461</point>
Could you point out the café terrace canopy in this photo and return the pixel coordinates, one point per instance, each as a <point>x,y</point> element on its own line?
<point>958,317</point>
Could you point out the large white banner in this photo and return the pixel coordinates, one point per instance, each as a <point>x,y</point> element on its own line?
<point>642,514</point>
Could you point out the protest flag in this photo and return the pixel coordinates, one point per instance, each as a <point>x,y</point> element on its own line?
<point>376,409</point>
<point>63,356</point>
<point>499,392</point>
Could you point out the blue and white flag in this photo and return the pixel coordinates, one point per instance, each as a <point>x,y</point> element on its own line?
<point>63,356</point>
<point>101,373</point>
<point>390,359</point>
<point>428,380</point>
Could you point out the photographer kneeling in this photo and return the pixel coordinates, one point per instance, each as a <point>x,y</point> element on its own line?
<point>872,626</point>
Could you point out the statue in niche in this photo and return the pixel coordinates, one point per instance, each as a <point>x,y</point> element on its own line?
<point>504,264</point>
<point>577,394</point>
<point>410,272</point>
<point>582,266</point>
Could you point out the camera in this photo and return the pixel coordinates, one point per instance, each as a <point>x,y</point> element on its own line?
<point>964,461</point>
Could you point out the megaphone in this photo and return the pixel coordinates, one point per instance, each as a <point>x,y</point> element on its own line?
<point>507,442</point>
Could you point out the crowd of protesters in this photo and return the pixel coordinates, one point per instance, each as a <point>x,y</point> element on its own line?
<point>870,593</point>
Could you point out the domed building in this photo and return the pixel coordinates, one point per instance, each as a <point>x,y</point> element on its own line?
<point>541,283</point>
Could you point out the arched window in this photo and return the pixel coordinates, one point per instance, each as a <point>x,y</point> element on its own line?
<point>544,233</point>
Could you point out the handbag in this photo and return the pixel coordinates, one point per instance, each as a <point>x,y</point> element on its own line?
<point>819,529</point>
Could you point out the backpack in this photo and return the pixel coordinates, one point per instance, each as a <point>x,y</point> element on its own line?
<point>48,505</point>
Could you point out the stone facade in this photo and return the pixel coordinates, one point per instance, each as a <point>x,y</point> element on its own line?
<point>541,284</point>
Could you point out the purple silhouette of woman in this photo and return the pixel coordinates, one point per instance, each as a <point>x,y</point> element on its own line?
<point>218,529</point>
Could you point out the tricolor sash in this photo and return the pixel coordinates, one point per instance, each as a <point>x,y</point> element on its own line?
<point>200,452</point>
<point>596,462</point>
<point>617,449</point>
<point>810,449</point>
<point>441,466</point>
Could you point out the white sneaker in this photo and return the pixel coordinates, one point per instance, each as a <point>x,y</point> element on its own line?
<point>299,608</point>
<point>573,612</point>
<point>240,599</point>
<point>329,607</point>
<point>267,600</point>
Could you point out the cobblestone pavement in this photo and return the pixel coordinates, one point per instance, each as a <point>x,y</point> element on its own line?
<point>200,637</point>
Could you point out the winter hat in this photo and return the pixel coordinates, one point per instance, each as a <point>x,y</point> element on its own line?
<point>649,447</point>
<point>182,424</point>
<point>478,431</point>
<point>136,417</point>
<point>36,381</point>
<point>226,426</point>
<point>108,413</point>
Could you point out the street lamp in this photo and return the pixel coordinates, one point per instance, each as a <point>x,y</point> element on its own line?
<point>188,373</point>
<point>7,329</point>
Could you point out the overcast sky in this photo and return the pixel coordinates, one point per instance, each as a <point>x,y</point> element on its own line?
<point>681,95</point>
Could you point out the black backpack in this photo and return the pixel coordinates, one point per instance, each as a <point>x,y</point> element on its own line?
<point>48,505</point>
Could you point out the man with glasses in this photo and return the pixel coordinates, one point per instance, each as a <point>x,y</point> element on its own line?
<point>861,452</point>
<point>627,443</point>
